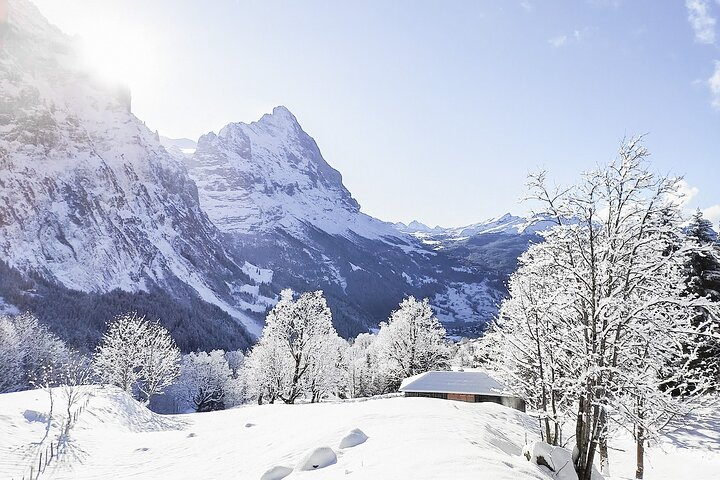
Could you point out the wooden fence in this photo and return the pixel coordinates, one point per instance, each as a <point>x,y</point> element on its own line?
<point>51,451</point>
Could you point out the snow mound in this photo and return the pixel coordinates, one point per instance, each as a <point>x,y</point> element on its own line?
<point>556,459</point>
<point>354,438</point>
<point>317,458</point>
<point>114,408</point>
<point>276,473</point>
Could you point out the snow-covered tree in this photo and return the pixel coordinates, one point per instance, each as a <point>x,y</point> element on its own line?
<point>600,305</point>
<point>138,356</point>
<point>203,381</point>
<point>468,353</point>
<point>288,357</point>
<point>160,359</point>
<point>11,362</point>
<point>267,369</point>
<point>363,367</point>
<point>327,369</point>
<point>235,360</point>
<point>701,229</point>
<point>524,343</point>
<point>703,280</point>
<point>119,357</point>
<point>28,352</point>
<point>411,342</point>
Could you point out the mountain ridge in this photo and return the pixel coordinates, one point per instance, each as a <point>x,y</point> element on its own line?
<point>98,217</point>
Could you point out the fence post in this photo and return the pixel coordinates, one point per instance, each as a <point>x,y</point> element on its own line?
<point>40,464</point>
<point>31,472</point>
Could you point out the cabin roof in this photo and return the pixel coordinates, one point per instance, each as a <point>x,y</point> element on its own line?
<point>477,383</point>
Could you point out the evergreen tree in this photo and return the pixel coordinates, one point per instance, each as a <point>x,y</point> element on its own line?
<point>703,281</point>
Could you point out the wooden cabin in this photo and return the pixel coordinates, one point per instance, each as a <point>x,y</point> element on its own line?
<point>474,387</point>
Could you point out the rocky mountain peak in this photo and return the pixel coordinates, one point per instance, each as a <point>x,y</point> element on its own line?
<point>267,174</point>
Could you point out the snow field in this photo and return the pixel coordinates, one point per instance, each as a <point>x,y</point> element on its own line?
<point>404,438</point>
<point>413,438</point>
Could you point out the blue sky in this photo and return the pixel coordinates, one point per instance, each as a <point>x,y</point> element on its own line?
<point>434,111</point>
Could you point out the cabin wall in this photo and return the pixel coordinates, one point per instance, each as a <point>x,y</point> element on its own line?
<point>512,402</point>
<point>443,396</point>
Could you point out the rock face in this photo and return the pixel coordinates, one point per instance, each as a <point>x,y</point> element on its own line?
<point>267,175</point>
<point>89,200</point>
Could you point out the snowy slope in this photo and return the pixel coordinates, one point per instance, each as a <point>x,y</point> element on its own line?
<point>408,438</point>
<point>89,199</point>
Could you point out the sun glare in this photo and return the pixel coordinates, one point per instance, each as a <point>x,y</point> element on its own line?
<point>118,55</point>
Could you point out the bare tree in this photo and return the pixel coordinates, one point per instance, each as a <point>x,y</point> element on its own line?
<point>74,377</point>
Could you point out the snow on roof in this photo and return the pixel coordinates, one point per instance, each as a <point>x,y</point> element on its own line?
<point>478,383</point>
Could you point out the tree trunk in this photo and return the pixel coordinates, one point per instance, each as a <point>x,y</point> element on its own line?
<point>580,440</point>
<point>604,458</point>
<point>640,452</point>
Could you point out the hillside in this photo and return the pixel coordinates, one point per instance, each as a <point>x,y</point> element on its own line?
<point>408,438</point>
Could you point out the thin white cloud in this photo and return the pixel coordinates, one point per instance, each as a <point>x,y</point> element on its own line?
<point>714,84</point>
<point>701,20</point>
<point>529,6</point>
<point>574,37</point>
<point>686,193</point>
<point>559,41</point>
<point>712,214</point>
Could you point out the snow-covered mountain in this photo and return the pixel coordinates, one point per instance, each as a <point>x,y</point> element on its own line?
<point>282,206</point>
<point>270,175</point>
<point>99,215</point>
<point>506,224</point>
<point>91,203</point>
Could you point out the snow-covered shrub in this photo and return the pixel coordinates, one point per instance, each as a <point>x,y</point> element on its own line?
<point>138,356</point>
